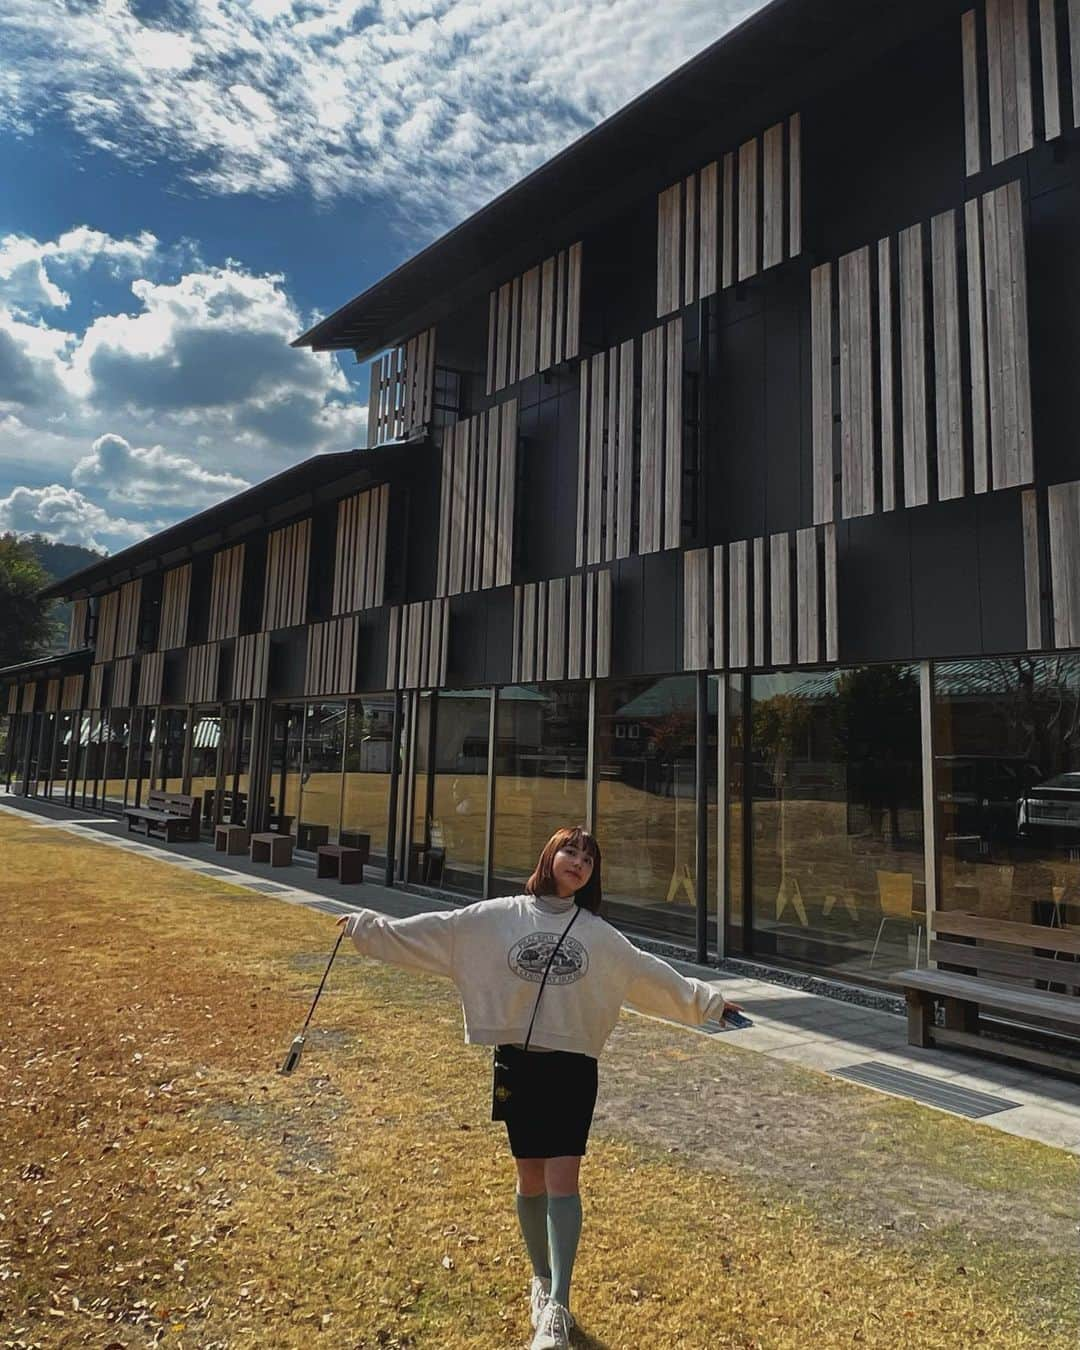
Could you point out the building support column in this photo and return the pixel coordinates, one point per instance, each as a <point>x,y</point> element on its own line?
<point>395,781</point>
<point>929,781</point>
<point>722,814</point>
<point>701,834</point>
<point>259,770</point>
<point>489,819</point>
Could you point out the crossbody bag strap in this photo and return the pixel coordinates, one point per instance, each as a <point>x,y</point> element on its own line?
<point>554,953</point>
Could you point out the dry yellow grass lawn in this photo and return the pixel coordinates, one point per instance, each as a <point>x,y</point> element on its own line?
<point>160,1183</point>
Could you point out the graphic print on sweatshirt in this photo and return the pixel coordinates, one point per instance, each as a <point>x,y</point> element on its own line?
<point>529,957</point>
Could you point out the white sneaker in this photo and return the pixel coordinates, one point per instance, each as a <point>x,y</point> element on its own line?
<point>554,1330</point>
<point>539,1293</point>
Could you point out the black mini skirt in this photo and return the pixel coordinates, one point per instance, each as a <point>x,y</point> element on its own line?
<point>551,1109</point>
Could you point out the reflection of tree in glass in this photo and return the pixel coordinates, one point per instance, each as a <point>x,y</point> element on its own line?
<point>780,723</point>
<point>877,719</point>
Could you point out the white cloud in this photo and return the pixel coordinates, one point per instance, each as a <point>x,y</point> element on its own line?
<point>26,263</point>
<point>123,473</point>
<point>66,516</point>
<point>441,103</point>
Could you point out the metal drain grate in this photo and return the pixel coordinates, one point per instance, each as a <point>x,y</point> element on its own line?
<point>931,1091</point>
<point>329,906</point>
<point>270,887</point>
<point>213,872</point>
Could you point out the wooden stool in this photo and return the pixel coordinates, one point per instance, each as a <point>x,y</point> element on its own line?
<point>276,849</point>
<point>231,839</point>
<point>347,864</point>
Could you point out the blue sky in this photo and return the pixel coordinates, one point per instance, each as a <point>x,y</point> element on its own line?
<point>191,183</point>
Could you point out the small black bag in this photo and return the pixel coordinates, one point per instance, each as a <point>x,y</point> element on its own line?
<point>508,1065</point>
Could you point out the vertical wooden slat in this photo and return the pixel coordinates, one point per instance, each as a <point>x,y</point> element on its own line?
<point>514,340</point>
<point>373,404</point>
<point>976,302</point>
<point>794,185</point>
<point>690,240</point>
<point>727,223</point>
<point>708,233</point>
<point>886,377</point>
<point>528,633</point>
<point>560,308</point>
<point>948,392</point>
<point>821,382</point>
<point>489,426</point>
<point>584,476</point>
<point>575,616</point>
<point>507,481</point>
<point>595,499</point>
<point>995,81</point>
<point>543,637</point>
<point>604,612</point>
<point>380,546</point>
<point>52,693</point>
<point>647,504</point>
<point>611,453</point>
<point>625,467</point>
<point>1032,569</point>
<point>393,666</point>
<point>573,302</point>
<point>556,651</point>
<point>673,394</point>
<point>719,609</point>
<point>1074,56</point>
<point>761,603</point>
<point>748,209</point>
<point>547,313</point>
<point>695,609</point>
<point>1025,110</point>
<point>502,341</point>
<point>1025,463</point>
<point>1064,512</point>
<point>972,152</point>
<point>773,199</point>
<point>588,668</point>
<point>856,386</point>
<point>665,245</point>
<point>738,604</point>
<point>780,599</point>
<point>468,534</point>
<point>530,296</point>
<point>442,573</point>
<point>913,366</point>
<point>493,328</point>
<point>832,624</point>
<point>1051,83</point>
<point>807,585</point>
<point>516,649</point>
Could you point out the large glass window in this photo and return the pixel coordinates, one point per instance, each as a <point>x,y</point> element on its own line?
<point>205,749</point>
<point>172,730</point>
<point>540,757</point>
<point>459,799</point>
<point>62,755</point>
<point>836,787</point>
<point>320,798</point>
<point>286,753</point>
<point>1007,762</point>
<point>116,733</point>
<point>368,757</point>
<point>646,815</point>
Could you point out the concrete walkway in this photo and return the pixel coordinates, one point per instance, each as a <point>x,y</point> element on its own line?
<point>806,1028</point>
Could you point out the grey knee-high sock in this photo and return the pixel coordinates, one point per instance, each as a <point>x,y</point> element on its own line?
<point>532,1211</point>
<point>564,1230</point>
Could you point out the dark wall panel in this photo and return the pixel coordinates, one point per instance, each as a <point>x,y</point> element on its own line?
<point>874,588</point>
<point>945,579</point>
<point>1001,572</point>
<point>736,448</point>
<point>661,630</point>
<point>1054,301</point>
<point>627,616</point>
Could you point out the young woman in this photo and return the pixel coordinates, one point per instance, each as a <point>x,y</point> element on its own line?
<point>542,978</point>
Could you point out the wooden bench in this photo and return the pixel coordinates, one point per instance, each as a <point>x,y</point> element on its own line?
<point>335,860</point>
<point>276,849</point>
<point>975,955</point>
<point>172,814</point>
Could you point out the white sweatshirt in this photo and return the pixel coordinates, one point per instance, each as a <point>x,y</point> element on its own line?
<point>496,952</point>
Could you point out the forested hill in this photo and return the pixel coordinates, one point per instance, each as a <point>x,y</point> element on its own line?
<point>61,560</point>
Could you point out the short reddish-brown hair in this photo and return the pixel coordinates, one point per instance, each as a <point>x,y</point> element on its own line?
<point>542,881</point>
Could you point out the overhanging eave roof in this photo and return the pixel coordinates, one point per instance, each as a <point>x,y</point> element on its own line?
<point>266,503</point>
<point>42,667</point>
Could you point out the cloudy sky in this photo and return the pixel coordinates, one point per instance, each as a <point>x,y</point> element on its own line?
<point>191,183</point>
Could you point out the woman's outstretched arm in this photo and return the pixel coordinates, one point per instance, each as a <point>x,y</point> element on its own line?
<point>655,987</point>
<point>423,942</point>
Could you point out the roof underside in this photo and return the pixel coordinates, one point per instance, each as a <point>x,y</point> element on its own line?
<point>760,70</point>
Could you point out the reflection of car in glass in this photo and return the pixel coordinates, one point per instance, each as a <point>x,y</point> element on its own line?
<point>1052,809</point>
<point>980,794</point>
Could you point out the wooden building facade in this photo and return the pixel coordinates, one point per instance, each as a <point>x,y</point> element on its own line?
<point>722,492</point>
